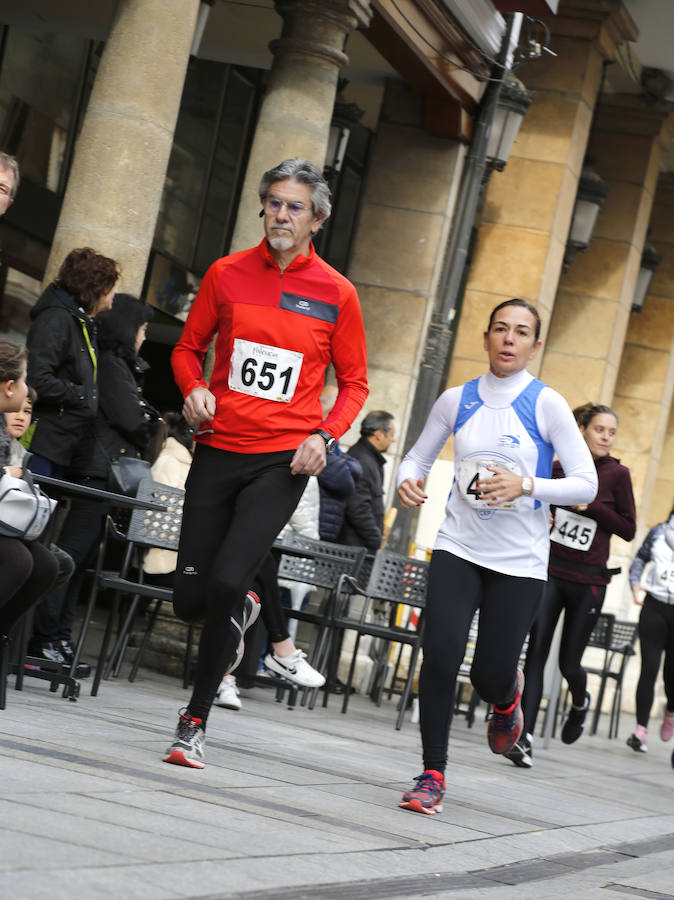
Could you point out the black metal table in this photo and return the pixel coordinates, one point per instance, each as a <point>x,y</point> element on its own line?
<point>36,667</point>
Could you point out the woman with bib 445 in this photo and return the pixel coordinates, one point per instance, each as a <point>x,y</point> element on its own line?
<point>579,549</point>
<point>491,552</point>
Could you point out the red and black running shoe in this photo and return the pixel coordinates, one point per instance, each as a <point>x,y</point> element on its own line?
<point>427,796</point>
<point>505,725</point>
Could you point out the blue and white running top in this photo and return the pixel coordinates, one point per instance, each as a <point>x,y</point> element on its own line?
<point>517,423</point>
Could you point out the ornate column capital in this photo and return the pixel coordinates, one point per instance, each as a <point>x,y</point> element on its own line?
<point>634,114</point>
<point>605,21</point>
<point>319,28</point>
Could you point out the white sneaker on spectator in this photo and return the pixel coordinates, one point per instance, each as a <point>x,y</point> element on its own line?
<point>228,694</point>
<point>295,668</point>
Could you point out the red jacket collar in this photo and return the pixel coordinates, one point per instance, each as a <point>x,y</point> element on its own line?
<point>300,262</point>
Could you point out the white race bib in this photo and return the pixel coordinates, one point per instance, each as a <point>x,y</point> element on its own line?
<point>573,530</point>
<point>665,575</point>
<point>264,371</point>
<point>473,469</point>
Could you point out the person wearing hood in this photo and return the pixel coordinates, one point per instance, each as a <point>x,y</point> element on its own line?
<point>124,426</point>
<point>656,628</point>
<point>577,578</point>
<point>63,361</point>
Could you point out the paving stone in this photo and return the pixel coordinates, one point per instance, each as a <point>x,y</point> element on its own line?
<point>303,804</point>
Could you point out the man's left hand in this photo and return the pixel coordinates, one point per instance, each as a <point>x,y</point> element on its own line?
<point>310,456</point>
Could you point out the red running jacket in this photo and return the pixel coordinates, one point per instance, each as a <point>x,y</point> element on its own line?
<point>276,334</point>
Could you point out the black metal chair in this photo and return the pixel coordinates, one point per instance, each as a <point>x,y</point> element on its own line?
<point>322,567</point>
<point>617,638</point>
<point>147,529</point>
<point>396,588</point>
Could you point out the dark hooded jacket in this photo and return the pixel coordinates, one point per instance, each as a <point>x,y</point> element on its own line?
<point>126,422</point>
<point>364,516</point>
<point>336,483</point>
<point>62,367</point>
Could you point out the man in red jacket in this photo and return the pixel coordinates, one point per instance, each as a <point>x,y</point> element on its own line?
<point>280,316</point>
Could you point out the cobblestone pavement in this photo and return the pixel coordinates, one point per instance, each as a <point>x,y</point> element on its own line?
<point>303,804</point>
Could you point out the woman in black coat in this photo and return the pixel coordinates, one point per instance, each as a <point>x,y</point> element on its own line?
<point>63,361</point>
<point>124,426</point>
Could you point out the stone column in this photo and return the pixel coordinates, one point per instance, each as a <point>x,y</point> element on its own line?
<point>117,178</point>
<point>528,207</point>
<point>399,247</point>
<point>645,386</point>
<point>594,299</point>
<point>297,108</point>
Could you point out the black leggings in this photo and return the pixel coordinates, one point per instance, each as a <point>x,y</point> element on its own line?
<point>235,506</point>
<point>507,604</point>
<point>656,633</point>
<point>79,537</point>
<point>581,604</point>
<point>28,570</point>
<point>272,613</point>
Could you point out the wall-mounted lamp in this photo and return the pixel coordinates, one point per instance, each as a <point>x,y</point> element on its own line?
<point>200,27</point>
<point>513,102</point>
<point>345,115</point>
<point>592,191</point>
<point>650,260</point>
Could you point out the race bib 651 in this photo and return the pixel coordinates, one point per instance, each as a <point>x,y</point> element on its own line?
<point>264,371</point>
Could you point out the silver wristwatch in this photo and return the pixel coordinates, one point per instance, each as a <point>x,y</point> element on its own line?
<point>527,487</point>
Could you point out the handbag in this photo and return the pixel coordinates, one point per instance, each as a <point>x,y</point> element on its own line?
<point>24,508</point>
<point>126,473</point>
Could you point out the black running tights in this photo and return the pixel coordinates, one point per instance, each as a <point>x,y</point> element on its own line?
<point>656,633</point>
<point>507,604</point>
<point>235,506</point>
<point>581,604</point>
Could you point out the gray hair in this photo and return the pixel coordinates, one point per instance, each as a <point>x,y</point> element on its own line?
<point>377,420</point>
<point>10,163</point>
<point>305,172</point>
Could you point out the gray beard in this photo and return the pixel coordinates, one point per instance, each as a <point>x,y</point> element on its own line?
<point>280,243</point>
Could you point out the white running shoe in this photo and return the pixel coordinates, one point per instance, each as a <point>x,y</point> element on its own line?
<point>187,748</point>
<point>295,668</point>
<point>251,610</point>
<point>228,694</point>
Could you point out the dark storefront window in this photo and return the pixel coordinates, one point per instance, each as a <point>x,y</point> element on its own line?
<point>39,90</point>
<point>335,240</point>
<point>45,81</point>
<point>211,143</point>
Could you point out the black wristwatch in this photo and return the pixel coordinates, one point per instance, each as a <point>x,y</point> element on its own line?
<point>330,442</point>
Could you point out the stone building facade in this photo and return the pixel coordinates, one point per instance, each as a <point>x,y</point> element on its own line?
<point>136,141</point>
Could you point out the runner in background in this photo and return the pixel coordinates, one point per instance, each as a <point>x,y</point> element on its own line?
<point>656,628</point>
<point>579,550</point>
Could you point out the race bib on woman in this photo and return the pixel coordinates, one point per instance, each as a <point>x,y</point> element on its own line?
<point>665,574</point>
<point>264,371</point>
<point>573,530</point>
<point>473,469</point>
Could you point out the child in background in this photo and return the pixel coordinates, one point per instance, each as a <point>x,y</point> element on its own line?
<point>17,424</point>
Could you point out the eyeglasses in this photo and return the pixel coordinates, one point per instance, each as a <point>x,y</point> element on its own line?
<point>273,206</point>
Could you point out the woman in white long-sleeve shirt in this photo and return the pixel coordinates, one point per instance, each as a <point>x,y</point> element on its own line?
<point>492,549</point>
